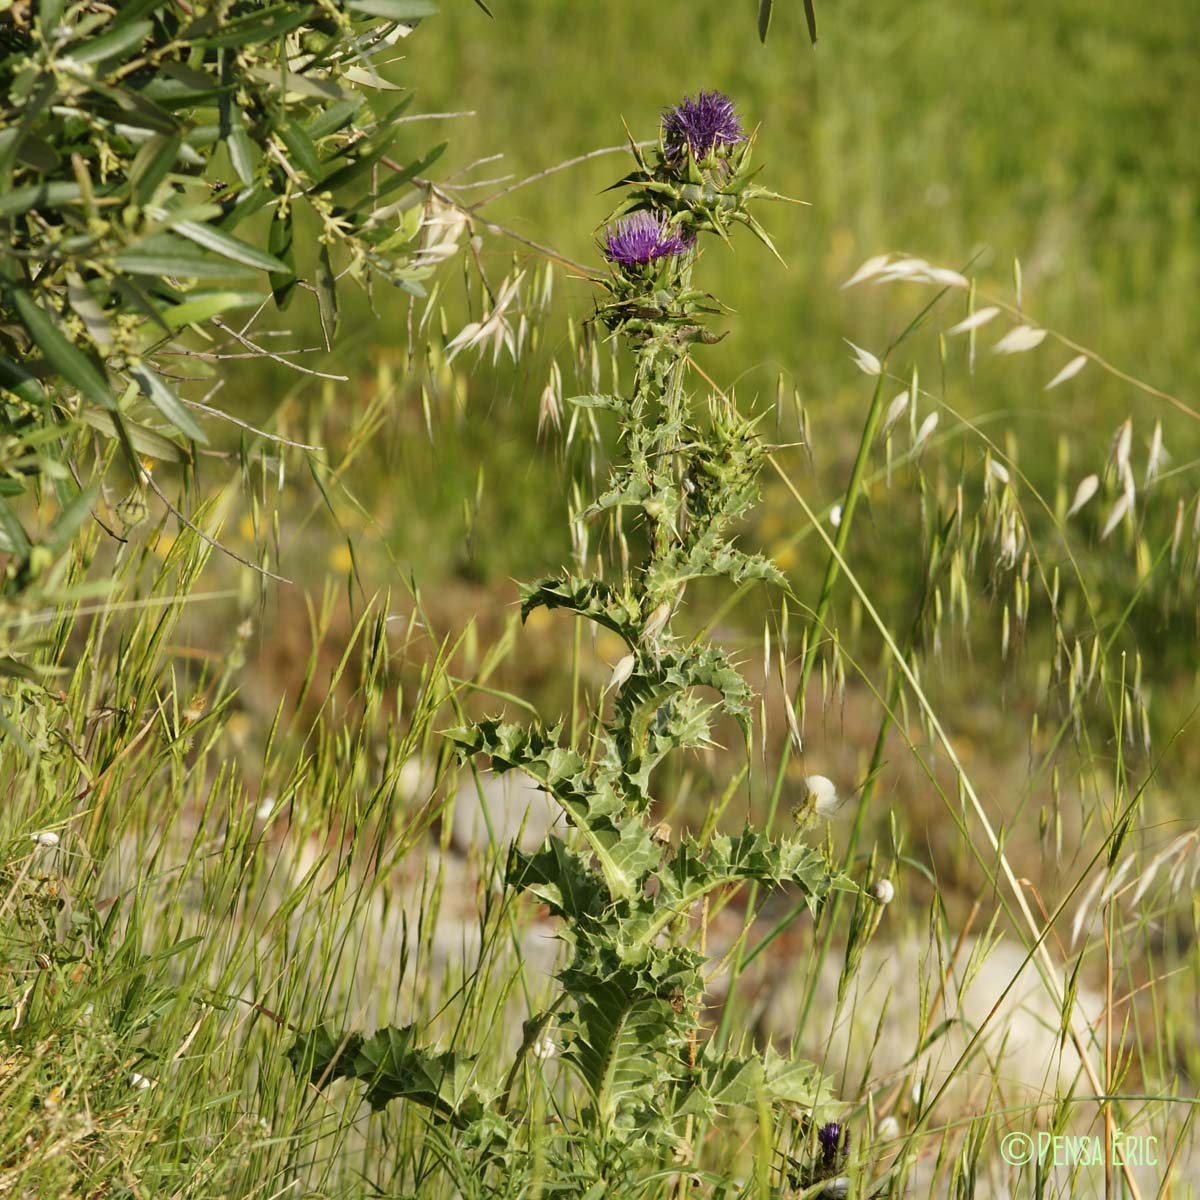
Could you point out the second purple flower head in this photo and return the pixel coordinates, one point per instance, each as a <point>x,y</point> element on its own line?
<point>641,237</point>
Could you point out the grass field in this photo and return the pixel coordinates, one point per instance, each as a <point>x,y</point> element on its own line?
<point>234,817</point>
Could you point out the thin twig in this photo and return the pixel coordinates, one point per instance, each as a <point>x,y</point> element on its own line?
<point>276,357</point>
<point>224,416</point>
<point>206,538</point>
<point>562,166</point>
<point>442,116</point>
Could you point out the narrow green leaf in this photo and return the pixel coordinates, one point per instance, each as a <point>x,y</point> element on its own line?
<point>13,669</point>
<point>765,8</point>
<point>134,10</point>
<point>301,148</point>
<point>13,530</point>
<point>280,243</point>
<point>241,150</point>
<point>164,399</point>
<point>140,439</point>
<point>327,302</point>
<point>152,163</point>
<point>72,516</point>
<point>65,357</point>
<point>14,378</point>
<point>406,174</point>
<point>810,16</point>
<point>200,306</point>
<point>164,254</point>
<point>94,50</point>
<point>270,23</point>
<point>336,117</point>
<point>394,10</point>
<point>38,195</point>
<point>228,247</point>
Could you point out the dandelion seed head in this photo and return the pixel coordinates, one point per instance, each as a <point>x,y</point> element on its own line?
<point>821,793</point>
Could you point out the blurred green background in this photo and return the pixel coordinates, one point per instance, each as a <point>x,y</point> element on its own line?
<point>1062,135</point>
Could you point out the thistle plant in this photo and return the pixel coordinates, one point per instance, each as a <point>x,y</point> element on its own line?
<point>629,894</point>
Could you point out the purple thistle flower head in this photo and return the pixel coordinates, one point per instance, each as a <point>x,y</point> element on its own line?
<point>641,237</point>
<point>835,1141</point>
<point>704,124</point>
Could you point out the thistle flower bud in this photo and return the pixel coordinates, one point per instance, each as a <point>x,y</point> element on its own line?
<point>834,1139</point>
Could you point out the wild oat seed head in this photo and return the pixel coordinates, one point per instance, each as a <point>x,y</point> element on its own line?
<point>621,672</point>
